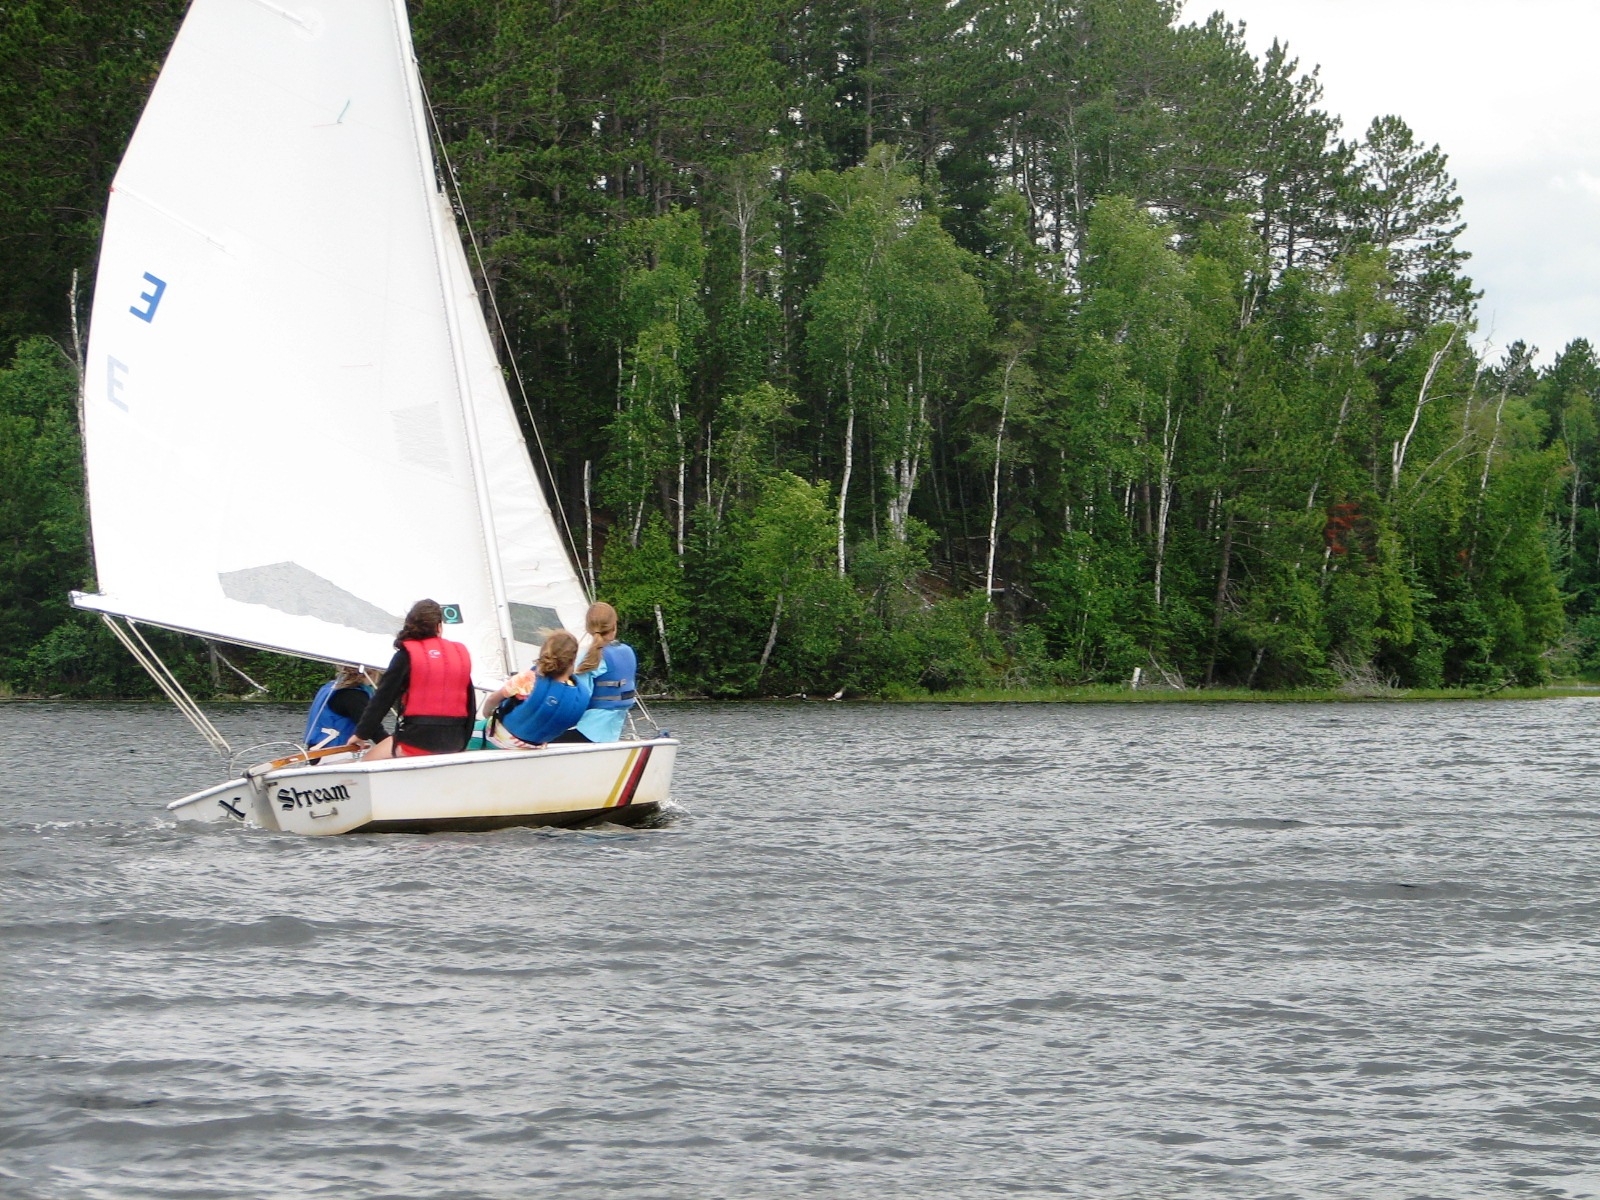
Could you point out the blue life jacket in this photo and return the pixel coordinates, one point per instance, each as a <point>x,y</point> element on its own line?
<point>549,711</point>
<point>616,688</point>
<point>324,727</point>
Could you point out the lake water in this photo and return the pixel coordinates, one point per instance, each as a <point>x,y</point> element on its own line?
<point>1250,951</point>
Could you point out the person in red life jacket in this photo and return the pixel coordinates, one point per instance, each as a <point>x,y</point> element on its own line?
<point>552,699</point>
<point>430,677</point>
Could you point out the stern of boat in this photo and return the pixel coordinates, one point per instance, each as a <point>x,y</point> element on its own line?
<point>238,802</point>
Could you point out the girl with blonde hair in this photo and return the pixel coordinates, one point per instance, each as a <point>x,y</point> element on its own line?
<point>614,667</point>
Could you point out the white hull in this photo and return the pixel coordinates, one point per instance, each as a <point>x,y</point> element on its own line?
<point>625,782</point>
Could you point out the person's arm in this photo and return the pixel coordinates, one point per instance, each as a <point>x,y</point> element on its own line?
<point>519,684</point>
<point>390,689</point>
<point>491,702</point>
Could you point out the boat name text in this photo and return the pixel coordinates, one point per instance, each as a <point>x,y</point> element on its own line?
<point>292,798</point>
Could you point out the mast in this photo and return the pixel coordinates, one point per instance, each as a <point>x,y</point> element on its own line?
<point>440,205</point>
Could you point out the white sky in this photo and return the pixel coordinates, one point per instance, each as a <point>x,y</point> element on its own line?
<point>1507,89</point>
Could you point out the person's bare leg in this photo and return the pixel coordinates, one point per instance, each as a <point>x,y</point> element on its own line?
<point>384,749</point>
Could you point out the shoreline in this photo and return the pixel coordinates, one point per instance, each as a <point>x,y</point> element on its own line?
<point>1087,694</point>
<point>1154,695</point>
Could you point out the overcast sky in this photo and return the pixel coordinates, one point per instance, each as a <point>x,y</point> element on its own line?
<point>1507,89</point>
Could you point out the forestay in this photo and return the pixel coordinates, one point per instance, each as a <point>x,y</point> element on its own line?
<point>295,421</point>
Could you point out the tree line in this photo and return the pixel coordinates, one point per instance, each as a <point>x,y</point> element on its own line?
<point>918,345</point>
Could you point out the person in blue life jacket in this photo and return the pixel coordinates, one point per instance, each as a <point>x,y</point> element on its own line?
<point>615,669</point>
<point>337,706</point>
<point>553,699</point>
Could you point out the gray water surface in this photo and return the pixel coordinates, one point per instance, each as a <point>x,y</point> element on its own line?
<point>1249,951</point>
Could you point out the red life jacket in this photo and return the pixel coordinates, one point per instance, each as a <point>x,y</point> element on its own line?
<point>440,673</point>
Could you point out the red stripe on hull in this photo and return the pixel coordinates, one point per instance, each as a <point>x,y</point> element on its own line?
<point>633,780</point>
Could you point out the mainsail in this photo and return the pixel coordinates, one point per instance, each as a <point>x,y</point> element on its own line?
<point>295,422</point>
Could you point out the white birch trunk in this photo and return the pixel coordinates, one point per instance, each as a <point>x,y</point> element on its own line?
<point>1494,440</point>
<point>849,460</point>
<point>907,468</point>
<point>1400,447</point>
<point>994,491</point>
<point>661,632</point>
<point>772,638</point>
<point>683,469</point>
<point>1333,445</point>
<point>1169,443</point>
<point>588,526</point>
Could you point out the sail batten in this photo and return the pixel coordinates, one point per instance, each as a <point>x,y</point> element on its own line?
<point>295,423</point>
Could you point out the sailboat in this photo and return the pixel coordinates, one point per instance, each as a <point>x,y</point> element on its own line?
<point>296,425</point>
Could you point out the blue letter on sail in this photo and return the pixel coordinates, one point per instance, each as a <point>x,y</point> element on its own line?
<point>151,298</point>
<point>114,384</point>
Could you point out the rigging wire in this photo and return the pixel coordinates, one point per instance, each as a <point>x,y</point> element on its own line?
<point>147,658</point>
<point>253,755</point>
<point>223,659</point>
<point>505,338</point>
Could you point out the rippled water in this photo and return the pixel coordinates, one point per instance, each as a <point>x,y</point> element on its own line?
<point>1156,951</point>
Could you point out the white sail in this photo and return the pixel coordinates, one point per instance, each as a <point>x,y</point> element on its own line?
<point>295,424</point>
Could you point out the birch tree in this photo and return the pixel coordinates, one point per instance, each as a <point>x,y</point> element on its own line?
<point>1135,316</point>
<point>659,321</point>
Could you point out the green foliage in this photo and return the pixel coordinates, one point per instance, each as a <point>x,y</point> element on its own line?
<point>746,437</point>
<point>286,679</point>
<point>656,268</point>
<point>787,544</point>
<point>953,643</point>
<point>72,80</point>
<point>644,583</point>
<point>78,657</point>
<point>858,309</point>
<point>1095,606</point>
<point>43,535</point>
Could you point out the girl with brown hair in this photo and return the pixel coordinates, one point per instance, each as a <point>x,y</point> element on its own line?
<point>430,677</point>
<point>554,699</point>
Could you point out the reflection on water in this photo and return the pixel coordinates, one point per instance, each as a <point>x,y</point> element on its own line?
<point>1097,951</point>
